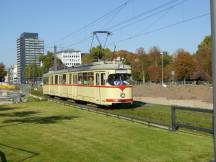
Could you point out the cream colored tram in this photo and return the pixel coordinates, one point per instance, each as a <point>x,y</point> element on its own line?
<point>102,83</point>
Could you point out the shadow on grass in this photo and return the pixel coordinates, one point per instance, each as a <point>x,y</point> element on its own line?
<point>19,114</point>
<point>2,157</point>
<point>32,154</point>
<point>136,104</point>
<point>40,120</point>
<point>7,108</point>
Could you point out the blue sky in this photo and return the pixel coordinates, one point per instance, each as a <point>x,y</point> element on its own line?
<point>55,19</point>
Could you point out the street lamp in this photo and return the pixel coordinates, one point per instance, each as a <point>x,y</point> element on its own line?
<point>162,71</point>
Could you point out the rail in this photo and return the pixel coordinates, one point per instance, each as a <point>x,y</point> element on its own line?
<point>174,123</point>
<point>107,113</point>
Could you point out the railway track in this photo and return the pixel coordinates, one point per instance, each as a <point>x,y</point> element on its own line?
<point>106,112</point>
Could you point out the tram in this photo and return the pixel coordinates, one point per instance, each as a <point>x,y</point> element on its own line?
<point>101,83</point>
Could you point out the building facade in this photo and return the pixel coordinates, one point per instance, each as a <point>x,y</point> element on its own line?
<point>69,57</point>
<point>11,77</point>
<point>13,74</point>
<point>29,47</point>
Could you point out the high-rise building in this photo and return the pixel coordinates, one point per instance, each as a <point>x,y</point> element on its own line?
<point>29,47</point>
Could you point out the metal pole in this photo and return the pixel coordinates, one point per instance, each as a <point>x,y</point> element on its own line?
<point>213,35</point>
<point>162,70</point>
<point>173,118</point>
<point>55,60</point>
<point>143,73</point>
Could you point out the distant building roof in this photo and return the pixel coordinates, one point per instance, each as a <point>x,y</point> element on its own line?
<point>29,35</point>
<point>68,50</point>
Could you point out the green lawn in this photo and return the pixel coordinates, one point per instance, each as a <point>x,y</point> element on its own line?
<point>49,132</point>
<point>154,113</point>
<point>161,114</point>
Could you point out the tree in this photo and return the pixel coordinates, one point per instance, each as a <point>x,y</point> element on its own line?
<point>48,62</point>
<point>184,65</point>
<point>97,53</point>
<point>100,53</point>
<point>3,72</point>
<point>155,56</point>
<point>203,55</point>
<point>32,71</point>
<point>154,73</point>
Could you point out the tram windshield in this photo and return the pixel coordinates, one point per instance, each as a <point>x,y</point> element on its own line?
<point>119,79</point>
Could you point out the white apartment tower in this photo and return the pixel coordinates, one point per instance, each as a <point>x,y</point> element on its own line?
<point>29,47</point>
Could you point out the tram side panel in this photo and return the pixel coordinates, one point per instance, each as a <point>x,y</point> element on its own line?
<point>64,90</point>
<point>116,95</point>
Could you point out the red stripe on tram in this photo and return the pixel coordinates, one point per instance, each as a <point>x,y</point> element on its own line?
<point>119,100</point>
<point>120,87</point>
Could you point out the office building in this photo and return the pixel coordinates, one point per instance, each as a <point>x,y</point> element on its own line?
<point>69,57</point>
<point>29,48</point>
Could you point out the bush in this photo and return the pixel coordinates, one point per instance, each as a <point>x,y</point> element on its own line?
<point>37,91</point>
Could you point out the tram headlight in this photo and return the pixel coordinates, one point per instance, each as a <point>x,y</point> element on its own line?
<point>122,95</point>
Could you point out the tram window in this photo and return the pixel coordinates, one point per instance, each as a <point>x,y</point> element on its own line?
<point>56,79</point>
<point>119,79</point>
<point>75,80</point>
<point>85,79</point>
<point>80,78</point>
<point>60,80</point>
<point>102,78</point>
<point>70,78</point>
<point>51,80</point>
<point>64,79</point>
<point>91,78</point>
<point>97,79</point>
<point>45,80</point>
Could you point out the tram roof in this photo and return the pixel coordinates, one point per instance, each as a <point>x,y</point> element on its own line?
<point>94,66</point>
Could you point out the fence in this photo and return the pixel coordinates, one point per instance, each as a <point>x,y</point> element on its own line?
<point>203,122</point>
<point>174,83</point>
<point>167,118</point>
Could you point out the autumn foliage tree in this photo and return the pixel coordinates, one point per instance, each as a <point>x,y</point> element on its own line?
<point>154,73</point>
<point>184,65</point>
<point>147,66</point>
<point>203,55</point>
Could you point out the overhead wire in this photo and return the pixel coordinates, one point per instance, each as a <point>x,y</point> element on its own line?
<point>115,14</point>
<point>94,21</point>
<point>164,27</point>
<point>143,13</point>
<point>151,15</point>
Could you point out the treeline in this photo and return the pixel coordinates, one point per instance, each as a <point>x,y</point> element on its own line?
<point>147,66</point>
<point>3,72</point>
<point>33,71</point>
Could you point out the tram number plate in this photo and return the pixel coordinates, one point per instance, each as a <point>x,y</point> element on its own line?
<point>121,71</point>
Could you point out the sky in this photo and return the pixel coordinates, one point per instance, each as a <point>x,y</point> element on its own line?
<point>65,23</point>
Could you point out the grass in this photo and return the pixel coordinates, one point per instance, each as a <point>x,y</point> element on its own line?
<point>161,114</point>
<point>154,113</point>
<point>46,131</point>
<point>37,91</point>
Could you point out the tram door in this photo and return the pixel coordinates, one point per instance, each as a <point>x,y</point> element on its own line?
<point>100,81</point>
